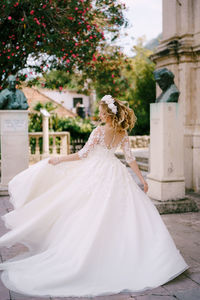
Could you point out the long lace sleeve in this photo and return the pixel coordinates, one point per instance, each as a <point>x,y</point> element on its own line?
<point>127,149</point>
<point>91,142</point>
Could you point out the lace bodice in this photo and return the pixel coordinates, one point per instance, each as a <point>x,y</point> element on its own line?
<point>97,137</point>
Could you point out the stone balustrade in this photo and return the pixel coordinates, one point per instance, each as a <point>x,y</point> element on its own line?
<point>139,141</point>
<point>59,144</point>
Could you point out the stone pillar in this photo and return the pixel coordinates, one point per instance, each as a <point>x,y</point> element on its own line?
<point>45,129</point>
<point>166,178</point>
<point>14,144</point>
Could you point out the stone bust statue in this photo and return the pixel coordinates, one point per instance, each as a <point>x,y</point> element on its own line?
<point>165,80</point>
<point>12,98</point>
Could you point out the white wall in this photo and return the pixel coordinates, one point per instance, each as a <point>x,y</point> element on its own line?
<point>65,98</point>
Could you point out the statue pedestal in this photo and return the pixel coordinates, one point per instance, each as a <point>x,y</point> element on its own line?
<point>14,144</point>
<point>166,178</point>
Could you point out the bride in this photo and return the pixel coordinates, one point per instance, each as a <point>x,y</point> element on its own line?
<point>88,227</point>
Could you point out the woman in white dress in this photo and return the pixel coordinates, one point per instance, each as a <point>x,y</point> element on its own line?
<point>89,228</point>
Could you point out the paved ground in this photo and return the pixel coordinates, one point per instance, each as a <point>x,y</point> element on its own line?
<point>185,230</point>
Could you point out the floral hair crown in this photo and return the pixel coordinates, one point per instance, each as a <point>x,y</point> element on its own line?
<point>108,99</point>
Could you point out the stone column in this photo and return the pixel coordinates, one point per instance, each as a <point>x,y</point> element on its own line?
<point>45,129</point>
<point>166,178</point>
<point>14,144</point>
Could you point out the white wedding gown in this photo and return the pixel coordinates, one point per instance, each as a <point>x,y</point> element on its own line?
<point>89,228</point>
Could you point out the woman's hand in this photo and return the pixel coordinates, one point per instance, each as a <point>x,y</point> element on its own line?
<point>145,184</point>
<point>54,160</point>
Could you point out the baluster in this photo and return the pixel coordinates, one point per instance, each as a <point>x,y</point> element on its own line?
<point>37,148</point>
<point>54,145</point>
<point>63,144</point>
<point>68,143</point>
<point>29,146</point>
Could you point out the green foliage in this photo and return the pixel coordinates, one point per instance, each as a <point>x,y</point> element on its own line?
<point>58,34</point>
<point>78,128</point>
<point>142,87</point>
<point>35,122</point>
<point>49,106</point>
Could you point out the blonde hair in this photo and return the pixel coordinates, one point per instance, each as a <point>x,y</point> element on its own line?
<point>125,117</point>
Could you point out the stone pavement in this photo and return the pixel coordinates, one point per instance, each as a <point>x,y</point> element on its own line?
<point>185,230</point>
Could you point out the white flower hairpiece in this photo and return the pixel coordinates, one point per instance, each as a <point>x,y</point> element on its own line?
<point>108,99</point>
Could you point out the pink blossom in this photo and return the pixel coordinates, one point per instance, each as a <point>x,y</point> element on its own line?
<point>13,54</point>
<point>76,8</point>
<point>76,44</point>
<point>60,88</point>
<point>91,37</point>
<point>38,36</point>
<point>44,6</point>
<point>17,47</point>
<point>8,57</point>
<point>32,12</point>
<point>112,76</point>
<point>9,18</point>
<point>68,61</point>
<point>74,55</point>
<point>22,19</point>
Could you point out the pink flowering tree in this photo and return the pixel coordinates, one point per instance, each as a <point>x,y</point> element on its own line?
<point>58,34</point>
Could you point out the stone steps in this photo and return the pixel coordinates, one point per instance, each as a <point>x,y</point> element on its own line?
<point>141,159</point>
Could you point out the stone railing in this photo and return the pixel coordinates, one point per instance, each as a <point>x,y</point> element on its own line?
<point>139,141</point>
<point>59,144</point>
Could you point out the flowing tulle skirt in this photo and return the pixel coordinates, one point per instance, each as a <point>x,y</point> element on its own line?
<point>90,230</point>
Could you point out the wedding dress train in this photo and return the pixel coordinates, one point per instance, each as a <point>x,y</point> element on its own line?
<point>89,228</point>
